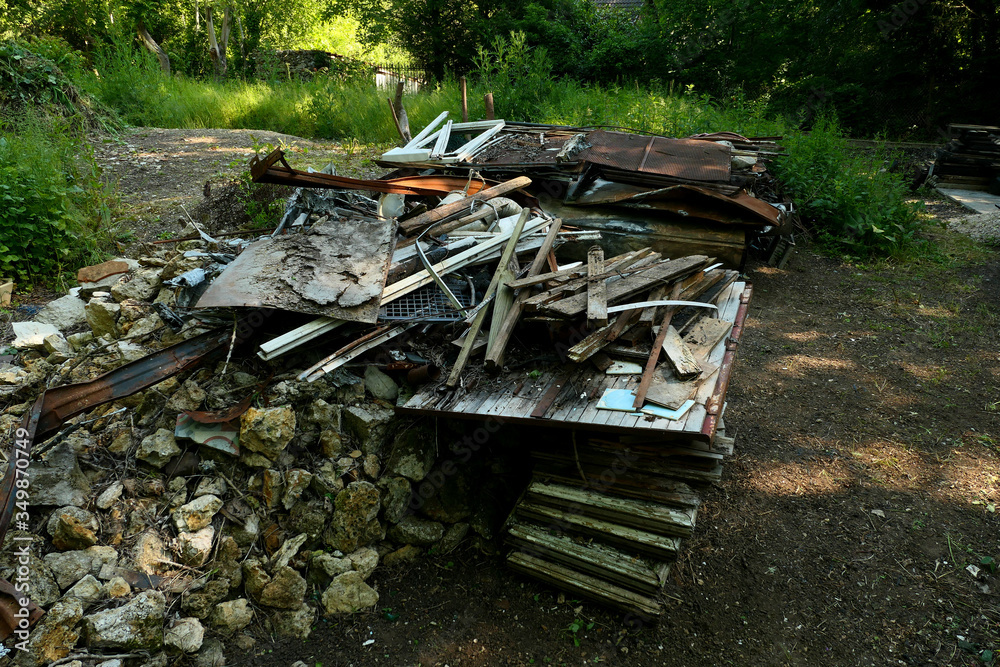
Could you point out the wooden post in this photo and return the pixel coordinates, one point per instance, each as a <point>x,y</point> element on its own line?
<point>488,101</point>
<point>465,100</point>
<point>597,288</point>
<point>399,112</point>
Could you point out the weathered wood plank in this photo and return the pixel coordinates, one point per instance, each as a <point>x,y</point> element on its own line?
<point>679,356</point>
<point>597,288</point>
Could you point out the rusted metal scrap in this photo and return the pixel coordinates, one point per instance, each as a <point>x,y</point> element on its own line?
<point>266,170</point>
<point>10,605</point>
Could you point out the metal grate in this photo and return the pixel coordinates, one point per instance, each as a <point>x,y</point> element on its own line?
<point>428,303</point>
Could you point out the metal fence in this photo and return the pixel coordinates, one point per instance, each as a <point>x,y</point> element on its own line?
<point>387,75</point>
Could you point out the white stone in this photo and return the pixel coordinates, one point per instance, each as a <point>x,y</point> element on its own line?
<point>64,313</point>
<point>31,335</point>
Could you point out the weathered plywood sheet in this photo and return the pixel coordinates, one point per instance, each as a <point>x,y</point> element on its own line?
<point>338,269</point>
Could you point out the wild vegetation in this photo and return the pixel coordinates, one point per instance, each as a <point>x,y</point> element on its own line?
<point>673,69</point>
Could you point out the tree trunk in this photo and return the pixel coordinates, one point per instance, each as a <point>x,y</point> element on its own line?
<point>217,47</point>
<point>151,44</point>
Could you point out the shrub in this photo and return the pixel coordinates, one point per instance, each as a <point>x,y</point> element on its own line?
<point>855,204</point>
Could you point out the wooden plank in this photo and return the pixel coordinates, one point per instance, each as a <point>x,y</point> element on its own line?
<point>639,514</point>
<point>503,302</point>
<point>658,546</point>
<point>704,336</point>
<point>508,252</point>
<point>549,397</point>
<point>679,356</point>
<point>597,288</point>
<point>621,289</point>
<point>668,391</point>
<point>459,207</point>
<point>631,483</point>
<point>584,585</point>
<point>597,340</point>
<point>499,340</point>
<point>654,353</point>
<point>597,560</point>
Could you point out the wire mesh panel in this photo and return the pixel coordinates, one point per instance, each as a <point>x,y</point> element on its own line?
<point>428,303</point>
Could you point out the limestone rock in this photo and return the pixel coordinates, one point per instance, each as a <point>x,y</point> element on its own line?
<point>211,486</point>
<point>135,626</point>
<point>196,514</point>
<point>331,443</point>
<point>364,560</point>
<point>149,553</point>
<point>59,481</point>
<point>189,397</point>
<point>355,518</point>
<point>272,484</point>
<point>296,482</point>
<point>211,654</point>
<point>110,495</point>
<point>285,590</point>
<point>186,635</point>
<point>450,501</point>
<point>404,554</point>
<point>380,385</point>
<point>102,317</point>
<point>369,425</point>
<point>117,587</point>
<point>413,453</point>
<point>54,636</point>
<point>267,430</point>
<point>324,567</point>
<point>72,528</point>
<point>323,415</point>
<point>231,616</point>
<point>68,567</point>
<point>44,589</point>
<point>58,349</point>
<point>396,495</point>
<point>414,530</point>
<point>349,593</point>
<point>87,592</point>
<point>287,551</point>
<point>308,518</point>
<point>195,547</point>
<point>201,603</point>
<point>142,286</point>
<point>157,449</point>
<point>296,623</point>
<point>78,341</point>
<point>64,313</point>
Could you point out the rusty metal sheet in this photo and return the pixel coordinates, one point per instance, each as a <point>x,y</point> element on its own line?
<point>9,605</point>
<point>687,159</point>
<point>266,170</point>
<point>338,268</point>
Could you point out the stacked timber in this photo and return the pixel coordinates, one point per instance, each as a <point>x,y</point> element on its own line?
<point>970,161</point>
<point>605,520</point>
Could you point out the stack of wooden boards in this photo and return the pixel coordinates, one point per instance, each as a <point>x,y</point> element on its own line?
<point>970,161</point>
<point>605,521</point>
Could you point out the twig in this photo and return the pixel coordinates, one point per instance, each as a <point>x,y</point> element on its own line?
<point>94,656</point>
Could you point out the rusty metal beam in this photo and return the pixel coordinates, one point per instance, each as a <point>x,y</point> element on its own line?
<point>267,171</point>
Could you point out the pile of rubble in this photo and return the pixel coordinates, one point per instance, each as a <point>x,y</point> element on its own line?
<point>143,542</point>
<point>211,431</point>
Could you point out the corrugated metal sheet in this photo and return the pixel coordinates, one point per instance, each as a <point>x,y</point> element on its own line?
<point>687,159</point>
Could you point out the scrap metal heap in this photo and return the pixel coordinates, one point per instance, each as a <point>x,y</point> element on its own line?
<point>575,278</point>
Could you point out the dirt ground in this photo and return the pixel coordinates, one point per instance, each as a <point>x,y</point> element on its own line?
<point>856,525</point>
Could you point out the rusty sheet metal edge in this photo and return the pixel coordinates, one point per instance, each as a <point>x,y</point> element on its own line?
<point>265,171</point>
<point>57,405</point>
<point>10,599</point>
<point>713,407</point>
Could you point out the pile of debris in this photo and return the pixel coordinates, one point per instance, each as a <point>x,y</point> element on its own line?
<point>212,429</point>
<point>971,160</point>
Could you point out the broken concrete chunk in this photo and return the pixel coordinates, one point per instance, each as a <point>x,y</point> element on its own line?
<point>348,594</point>
<point>31,335</point>
<point>72,528</point>
<point>196,514</point>
<point>157,449</point>
<point>64,313</point>
<point>267,430</point>
<point>135,626</point>
<point>102,317</point>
